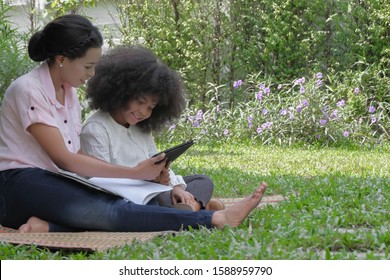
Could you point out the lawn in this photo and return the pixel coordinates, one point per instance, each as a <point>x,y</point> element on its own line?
<point>337,207</point>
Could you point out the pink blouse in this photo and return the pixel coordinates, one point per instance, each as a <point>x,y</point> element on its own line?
<point>31,99</point>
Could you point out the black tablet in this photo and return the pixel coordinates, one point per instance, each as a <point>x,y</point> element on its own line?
<point>173,153</point>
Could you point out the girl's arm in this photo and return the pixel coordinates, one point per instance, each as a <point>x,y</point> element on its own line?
<point>51,140</point>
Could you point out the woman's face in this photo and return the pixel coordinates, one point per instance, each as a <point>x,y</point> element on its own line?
<point>77,71</point>
<point>137,110</point>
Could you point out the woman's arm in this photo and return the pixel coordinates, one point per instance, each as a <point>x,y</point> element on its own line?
<point>51,140</point>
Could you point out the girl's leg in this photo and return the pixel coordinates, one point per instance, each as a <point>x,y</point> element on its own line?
<point>200,186</point>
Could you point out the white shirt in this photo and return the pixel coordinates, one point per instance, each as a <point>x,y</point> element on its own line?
<point>104,138</point>
<point>31,99</point>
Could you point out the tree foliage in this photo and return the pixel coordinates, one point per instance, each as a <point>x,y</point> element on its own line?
<point>219,41</point>
<point>216,43</point>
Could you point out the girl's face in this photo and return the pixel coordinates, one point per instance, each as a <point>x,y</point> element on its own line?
<point>77,71</point>
<point>137,110</point>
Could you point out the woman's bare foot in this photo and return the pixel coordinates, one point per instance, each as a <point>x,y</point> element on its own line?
<point>236,214</point>
<point>34,224</point>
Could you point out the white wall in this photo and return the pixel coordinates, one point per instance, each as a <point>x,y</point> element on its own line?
<point>102,15</point>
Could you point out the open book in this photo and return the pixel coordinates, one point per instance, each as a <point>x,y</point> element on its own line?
<point>137,191</point>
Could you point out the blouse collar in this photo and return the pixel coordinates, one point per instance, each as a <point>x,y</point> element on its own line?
<point>47,82</point>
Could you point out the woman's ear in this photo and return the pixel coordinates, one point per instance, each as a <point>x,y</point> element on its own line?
<point>60,60</point>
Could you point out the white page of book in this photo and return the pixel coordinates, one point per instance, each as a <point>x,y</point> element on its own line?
<point>137,191</point>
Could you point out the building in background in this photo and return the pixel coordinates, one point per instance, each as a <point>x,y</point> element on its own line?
<point>24,20</point>
<point>103,15</point>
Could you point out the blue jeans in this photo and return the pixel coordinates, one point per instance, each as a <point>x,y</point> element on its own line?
<point>35,192</point>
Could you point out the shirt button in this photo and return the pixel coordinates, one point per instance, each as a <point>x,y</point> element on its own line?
<point>65,121</point>
<point>69,142</point>
<point>32,108</point>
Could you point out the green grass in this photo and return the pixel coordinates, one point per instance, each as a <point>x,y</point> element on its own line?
<point>338,207</point>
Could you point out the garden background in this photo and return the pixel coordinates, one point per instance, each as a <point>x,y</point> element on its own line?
<point>294,92</point>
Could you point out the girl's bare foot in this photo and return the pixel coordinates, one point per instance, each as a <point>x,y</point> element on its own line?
<point>215,204</point>
<point>236,214</point>
<point>34,224</point>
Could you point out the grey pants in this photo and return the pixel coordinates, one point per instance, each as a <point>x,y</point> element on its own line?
<point>200,186</point>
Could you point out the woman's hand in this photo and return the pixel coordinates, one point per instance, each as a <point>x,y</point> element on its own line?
<point>149,169</point>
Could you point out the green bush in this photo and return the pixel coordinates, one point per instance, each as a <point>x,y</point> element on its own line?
<point>337,109</point>
<point>320,74</point>
<point>282,38</point>
<point>13,54</point>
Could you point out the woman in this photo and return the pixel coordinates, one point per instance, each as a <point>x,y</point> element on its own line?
<point>137,95</point>
<point>39,130</point>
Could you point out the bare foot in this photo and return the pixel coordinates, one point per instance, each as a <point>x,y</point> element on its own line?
<point>215,204</point>
<point>34,224</point>
<point>236,214</point>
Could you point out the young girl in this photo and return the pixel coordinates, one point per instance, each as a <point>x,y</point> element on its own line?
<point>136,94</point>
<point>39,130</point>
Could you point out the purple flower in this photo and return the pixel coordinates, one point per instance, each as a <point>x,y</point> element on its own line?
<point>371,109</point>
<point>196,123</point>
<point>264,111</point>
<point>323,122</point>
<point>346,134</point>
<point>299,108</point>
<point>325,110</point>
<point>302,89</point>
<point>259,130</point>
<point>259,95</point>
<point>266,125</point>
<point>172,127</point>
<point>226,132</point>
<point>262,86</point>
<point>191,118</point>
<point>341,103</point>
<point>237,84</point>
<point>319,75</point>
<point>199,115</point>
<point>305,103</point>
<point>203,131</point>
<point>356,90</point>
<point>319,83</point>
<point>283,112</point>
<point>250,118</point>
<point>334,115</point>
<point>267,90</point>
<point>299,81</point>
<point>373,119</point>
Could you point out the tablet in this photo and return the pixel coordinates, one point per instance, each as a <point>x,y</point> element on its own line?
<point>173,153</point>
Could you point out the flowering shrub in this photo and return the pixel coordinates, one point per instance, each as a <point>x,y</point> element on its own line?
<point>317,109</point>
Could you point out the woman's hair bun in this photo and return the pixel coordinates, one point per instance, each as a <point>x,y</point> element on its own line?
<point>36,47</point>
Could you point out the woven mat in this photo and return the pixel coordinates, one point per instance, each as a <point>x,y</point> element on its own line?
<point>86,241</point>
<point>94,241</point>
<point>266,200</point>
